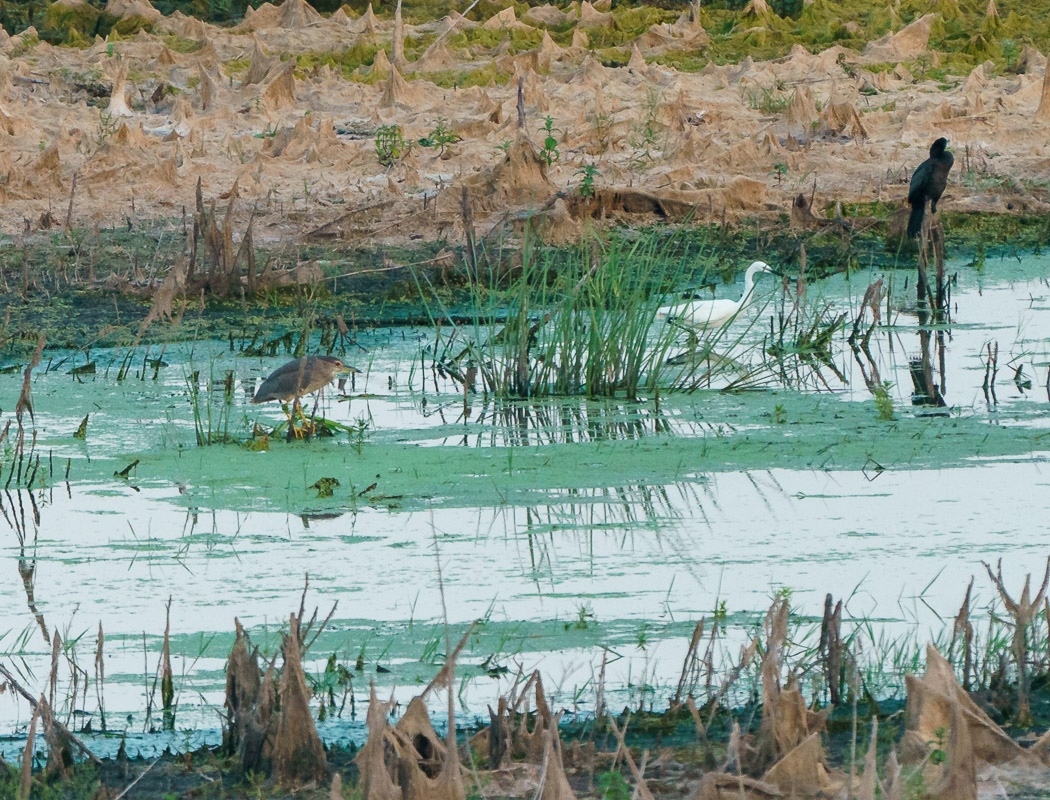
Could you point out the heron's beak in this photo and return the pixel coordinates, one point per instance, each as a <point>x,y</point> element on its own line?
<point>350,370</point>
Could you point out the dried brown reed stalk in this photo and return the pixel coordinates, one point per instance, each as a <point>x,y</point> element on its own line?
<point>397,45</point>
<point>690,666</point>
<point>167,683</point>
<point>298,755</point>
<point>872,300</point>
<point>962,631</point>
<point>788,753</point>
<point>164,298</point>
<point>1024,612</point>
<point>444,678</point>
<point>1042,113</point>
<point>554,784</point>
<point>521,103</point>
<point>223,272</point>
<point>722,786</point>
<point>25,402</point>
<point>869,781</point>
<point>831,650</point>
<point>27,754</point>
<point>747,654</point>
<point>409,761</point>
<point>772,743</point>
<point>59,746</point>
<point>895,788</point>
<point>377,779</point>
<point>21,690</point>
<point>52,681</point>
<point>641,788</point>
<point>100,676</point>
<point>243,688</point>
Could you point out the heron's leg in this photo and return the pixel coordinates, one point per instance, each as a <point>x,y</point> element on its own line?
<point>313,414</point>
<point>296,410</point>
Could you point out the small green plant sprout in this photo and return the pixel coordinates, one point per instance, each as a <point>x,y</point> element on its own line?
<point>1011,52</point>
<point>107,126</point>
<point>440,137</point>
<point>780,170</point>
<point>884,401</point>
<point>589,173</point>
<point>779,414</point>
<point>357,432</point>
<point>613,786</point>
<point>584,619</point>
<point>769,101</point>
<point>646,141</point>
<point>923,61</point>
<point>504,146</point>
<point>550,152</point>
<point>937,754</point>
<point>721,615</point>
<point>390,145</point>
<point>642,637</point>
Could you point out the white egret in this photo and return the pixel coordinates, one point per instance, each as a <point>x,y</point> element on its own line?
<point>702,314</point>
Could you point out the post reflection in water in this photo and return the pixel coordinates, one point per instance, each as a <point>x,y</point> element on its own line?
<point>926,391</point>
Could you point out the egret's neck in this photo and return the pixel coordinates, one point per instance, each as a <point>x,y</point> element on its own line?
<point>749,283</point>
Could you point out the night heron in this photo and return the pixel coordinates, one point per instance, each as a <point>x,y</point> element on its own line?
<point>300,376</point>
<point>713,313</point>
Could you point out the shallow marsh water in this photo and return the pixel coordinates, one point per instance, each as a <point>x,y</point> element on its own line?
<point>567,527</point>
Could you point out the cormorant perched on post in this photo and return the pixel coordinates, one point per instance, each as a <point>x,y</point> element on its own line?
<point>928,183</point>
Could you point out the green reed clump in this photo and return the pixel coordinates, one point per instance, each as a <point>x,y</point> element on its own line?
<point>576,322</point>
<point>211,418</point>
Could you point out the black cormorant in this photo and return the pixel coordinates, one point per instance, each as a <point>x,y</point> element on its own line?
<point>928,183</point>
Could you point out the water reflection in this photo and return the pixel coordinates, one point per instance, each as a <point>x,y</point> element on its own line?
<point>926,390</point>
<point>14,513</point>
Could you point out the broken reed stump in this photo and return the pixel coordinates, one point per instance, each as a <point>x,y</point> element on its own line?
<point>298,755</point>
<point>267,738</point>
